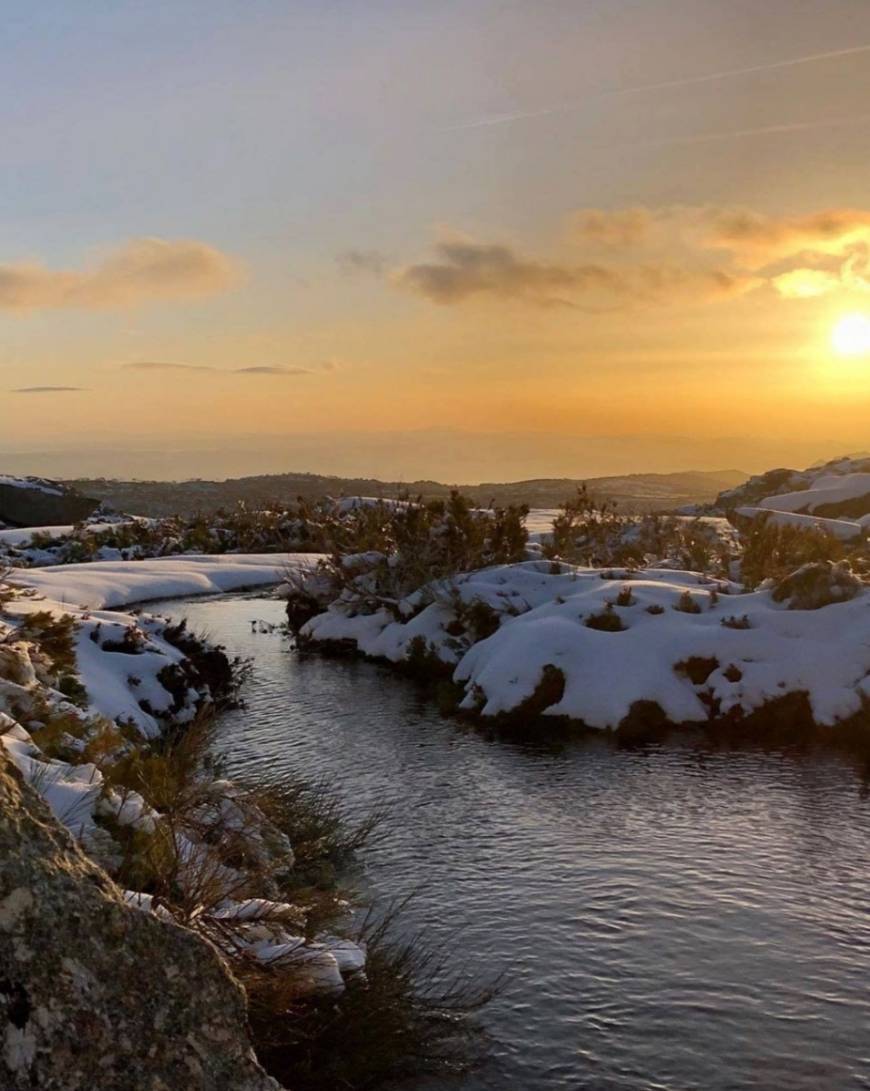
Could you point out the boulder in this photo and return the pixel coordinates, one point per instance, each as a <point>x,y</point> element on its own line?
<point>817,584</point>
<point>95,994</point>
<point>38,502</point>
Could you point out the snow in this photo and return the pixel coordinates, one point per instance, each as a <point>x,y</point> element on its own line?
<point>38,483</point>
<point>21,536</point>
<point>844,529</point>
<point>542,622</point>
<point>828,489</point>
<point>102,584</point>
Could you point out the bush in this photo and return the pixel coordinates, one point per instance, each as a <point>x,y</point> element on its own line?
<point>687,605</point>
<point>381,553</point>
<point>607,621</point>
<point>734,622</point>
<point>772,551</point>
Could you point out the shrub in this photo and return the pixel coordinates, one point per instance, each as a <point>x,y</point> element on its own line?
<point>381,553</point>
<point>734,622</point>
<point>687,605</point>
<point>772,551</point>
<point>607,621</point>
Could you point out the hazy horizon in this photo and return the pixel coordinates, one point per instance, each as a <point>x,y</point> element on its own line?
<point>427,454</point>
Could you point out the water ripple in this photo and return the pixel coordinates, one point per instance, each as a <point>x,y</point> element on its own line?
<point>670,917</point>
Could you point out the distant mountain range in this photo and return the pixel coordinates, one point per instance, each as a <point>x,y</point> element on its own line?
<point>632,492</point>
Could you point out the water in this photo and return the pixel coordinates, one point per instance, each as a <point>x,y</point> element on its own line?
<point>671,917</point>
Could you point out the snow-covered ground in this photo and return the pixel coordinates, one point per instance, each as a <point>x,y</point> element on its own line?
<point>102,584</point>
<point>21,536</point>
<point>755,649</point>
<point>834,498</point>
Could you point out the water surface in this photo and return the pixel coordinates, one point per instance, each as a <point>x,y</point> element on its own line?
<point>672,917</point>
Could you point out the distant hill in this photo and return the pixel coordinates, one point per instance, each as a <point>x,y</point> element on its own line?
<point>633,492</point>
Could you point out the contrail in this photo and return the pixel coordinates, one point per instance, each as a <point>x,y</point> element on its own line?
<point>688,81</point>
<point>733,134</point>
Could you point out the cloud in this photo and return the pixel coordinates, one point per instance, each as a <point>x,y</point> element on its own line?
<point>636,256</point>
<point>761,240</point>
<point>255,369</point>
<point>141,271</point>
<point>263,369</point>
<point>805,283</point>
<point>362,261</point>
<point>625,227</point>
<point>466,268</point>
<point>165,365</point>
<point>662,85</point>
<point>48,389</point>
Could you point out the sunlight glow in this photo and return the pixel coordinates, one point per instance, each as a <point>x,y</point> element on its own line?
<point>851,335</point>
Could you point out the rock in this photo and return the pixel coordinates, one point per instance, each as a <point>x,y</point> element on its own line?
<point>37,502</point>
<point>817,584</point>
<point>94,993</point>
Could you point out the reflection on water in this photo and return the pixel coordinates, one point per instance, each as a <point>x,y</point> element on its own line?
<point>670,917</point>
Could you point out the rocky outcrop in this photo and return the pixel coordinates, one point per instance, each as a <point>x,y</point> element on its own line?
<point>95,994</point>
<point>37,502</point>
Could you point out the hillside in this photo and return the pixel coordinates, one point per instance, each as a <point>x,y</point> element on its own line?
<point>633,492</point>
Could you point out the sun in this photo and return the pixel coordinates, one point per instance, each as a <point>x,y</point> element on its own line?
<point>851,335</point>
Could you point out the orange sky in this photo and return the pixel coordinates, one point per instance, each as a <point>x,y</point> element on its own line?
<point>518,222</point>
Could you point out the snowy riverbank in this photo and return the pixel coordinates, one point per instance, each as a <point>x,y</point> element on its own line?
<point>596,645</point>
<point>103,584</point>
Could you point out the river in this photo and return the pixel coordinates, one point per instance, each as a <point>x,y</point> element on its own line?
<point>673,916</point>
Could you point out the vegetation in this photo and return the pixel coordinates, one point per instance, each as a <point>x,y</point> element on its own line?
<point>772,550</point>
<point>380,553</point>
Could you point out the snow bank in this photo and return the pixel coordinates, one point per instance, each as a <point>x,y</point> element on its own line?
<point>753,650</point>
<point>844,529</point>
<point>50,488</point>
<point>828,489</point>
<point>102,584</point>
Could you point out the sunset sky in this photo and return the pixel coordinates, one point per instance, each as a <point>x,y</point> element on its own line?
<point>434,238</point>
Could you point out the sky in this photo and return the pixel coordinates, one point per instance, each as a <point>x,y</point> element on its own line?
<point>463,239</point>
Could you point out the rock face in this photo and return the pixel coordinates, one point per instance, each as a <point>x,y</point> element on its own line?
<point>36,502</point>
<point>97,995</point>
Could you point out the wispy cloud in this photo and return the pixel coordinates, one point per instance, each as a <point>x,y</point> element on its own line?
<point>141,271</point>
<point>661,85</point>
<point>254,369</point>
<point>362,261</point>
<point>264,369</point>
<point>166,365</point>
<point>48,389</point>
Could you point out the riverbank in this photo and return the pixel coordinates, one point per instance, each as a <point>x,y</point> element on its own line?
<point>626,650</point>
<point>106,716</point>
